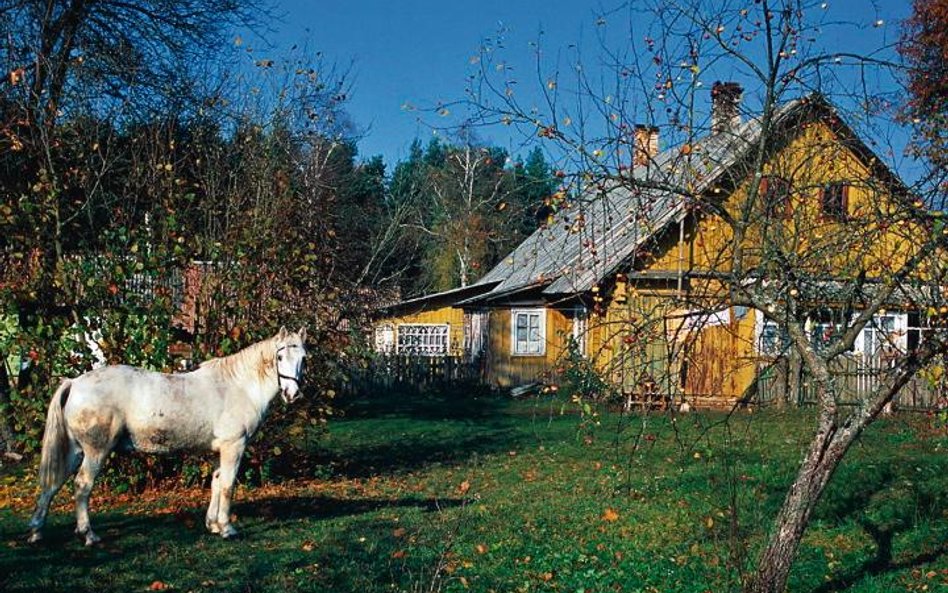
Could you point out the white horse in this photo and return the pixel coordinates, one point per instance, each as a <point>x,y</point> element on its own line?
<point>218,406</point>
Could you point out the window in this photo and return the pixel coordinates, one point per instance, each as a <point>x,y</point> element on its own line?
<point>773,339</point>
<point>384,339</point>
<point>876,335</point>
<point>529,331</point>
<point>580,326</point>
<point>421,339</point>
<point>834,201</point>
<point>775,192</point>
<point>824,334</point>
<point>886,334</point>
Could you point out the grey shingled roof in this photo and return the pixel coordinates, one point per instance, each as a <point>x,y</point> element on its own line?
<point>571,258</point>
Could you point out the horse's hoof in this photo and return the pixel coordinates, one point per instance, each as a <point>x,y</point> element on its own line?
<point>35,537</point>
<point>212,526</point>
<point>228,532</point>
<point>90,537</point>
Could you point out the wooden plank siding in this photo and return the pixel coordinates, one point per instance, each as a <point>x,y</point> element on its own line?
<point>505,369</point>
<point>452,316</point>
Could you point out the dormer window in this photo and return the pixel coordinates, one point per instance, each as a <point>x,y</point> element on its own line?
<point>834,201</point>
<point>775,192</point>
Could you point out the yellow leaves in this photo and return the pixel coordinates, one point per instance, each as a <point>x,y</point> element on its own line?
<point>709,522</point>
<point>159,586</point>
<point>463,487</point>
<point>308,546</point>
<point>481,549</point>
<point>610,515</point>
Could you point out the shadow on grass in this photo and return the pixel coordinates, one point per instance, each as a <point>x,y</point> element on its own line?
<point>455,402</point>
<point>886,506</point>
<point>882,562</point>
<point>177,547</point>
<point>324,507</point>
<point>402,431</point>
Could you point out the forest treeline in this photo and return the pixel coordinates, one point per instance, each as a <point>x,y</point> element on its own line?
<point>151,162</point>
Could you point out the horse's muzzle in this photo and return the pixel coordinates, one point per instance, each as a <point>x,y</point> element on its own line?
<point>289,394</point>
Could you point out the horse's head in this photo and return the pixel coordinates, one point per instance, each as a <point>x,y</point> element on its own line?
<point>290,352</point>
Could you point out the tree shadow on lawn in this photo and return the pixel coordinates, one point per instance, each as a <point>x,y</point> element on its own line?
<point>289,508</point>
<point>414,452</point>
<point>135,544</point>
<point>448,402</point>
<point>885,505</point>
<point>404,431</point>
<point>882,562</point>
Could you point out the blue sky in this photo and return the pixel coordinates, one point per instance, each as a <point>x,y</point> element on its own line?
<point>418,53</point>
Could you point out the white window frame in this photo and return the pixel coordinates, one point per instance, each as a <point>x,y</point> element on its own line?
<point>896,335</point>
<point>523,347</point>
<point>385,338</point>
<point>580,327</point>
<point>435,339</point>
<point>772,340</point>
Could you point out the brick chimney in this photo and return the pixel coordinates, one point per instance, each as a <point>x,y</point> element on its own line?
<point>646,145</point>
<point>725,106</point>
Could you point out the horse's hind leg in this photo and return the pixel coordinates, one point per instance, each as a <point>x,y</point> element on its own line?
<point>91,464</point>
<point>38,520</point>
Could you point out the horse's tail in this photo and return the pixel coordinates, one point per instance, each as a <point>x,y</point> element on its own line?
<point>53,461</point>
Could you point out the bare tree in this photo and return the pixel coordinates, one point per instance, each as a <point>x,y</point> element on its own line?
<point>809,228</point>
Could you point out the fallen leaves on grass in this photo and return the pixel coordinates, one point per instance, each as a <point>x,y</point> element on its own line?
<point>610,515</point>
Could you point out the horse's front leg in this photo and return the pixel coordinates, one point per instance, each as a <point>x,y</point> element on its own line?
<point>230,462</point>
<point>210,520</point>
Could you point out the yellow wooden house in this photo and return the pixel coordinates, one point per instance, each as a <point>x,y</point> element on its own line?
<point>628,275</point>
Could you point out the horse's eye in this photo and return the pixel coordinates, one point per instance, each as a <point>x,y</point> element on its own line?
<point>280,357</point>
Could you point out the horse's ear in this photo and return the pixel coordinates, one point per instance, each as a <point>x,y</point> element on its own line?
<point>303,334</point>
<point>283,332</point>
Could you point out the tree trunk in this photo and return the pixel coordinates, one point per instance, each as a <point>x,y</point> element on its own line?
<point>826,451</point>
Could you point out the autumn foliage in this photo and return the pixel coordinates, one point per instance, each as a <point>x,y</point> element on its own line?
<point>925,48</point>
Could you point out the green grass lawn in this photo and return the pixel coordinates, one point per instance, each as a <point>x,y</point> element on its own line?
<point>461,492</point>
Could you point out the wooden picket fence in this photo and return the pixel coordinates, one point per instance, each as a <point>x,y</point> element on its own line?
<point>855,378</point>
<point>418,372</point>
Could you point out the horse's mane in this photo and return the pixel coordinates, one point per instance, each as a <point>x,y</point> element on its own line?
<point>258,357</point>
